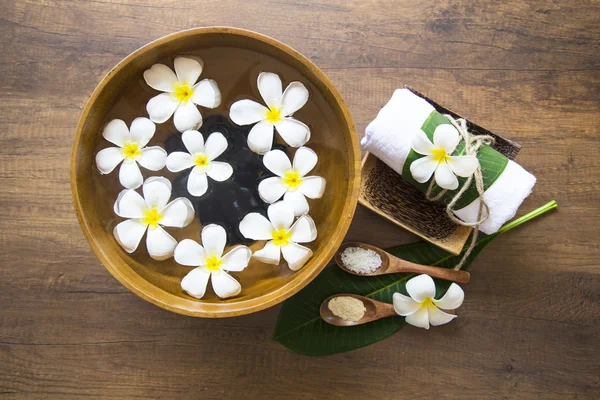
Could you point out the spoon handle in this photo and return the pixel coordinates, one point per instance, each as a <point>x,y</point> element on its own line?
<point>399,265</point>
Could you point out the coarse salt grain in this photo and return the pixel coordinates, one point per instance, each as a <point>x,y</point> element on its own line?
<point>361,261</point>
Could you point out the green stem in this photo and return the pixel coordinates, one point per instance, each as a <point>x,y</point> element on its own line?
<point>527,217</point>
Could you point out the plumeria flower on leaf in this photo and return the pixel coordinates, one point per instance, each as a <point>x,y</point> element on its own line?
<point>438,158</point>
<point>201,157</point>
<point>131,151</point>
<point>277,114</point>
<point>151,212</point>
<point>181,93</point>
<point>282,236</point>
<point>291,181</point>
<point>421,309</point>
<point>211,264</point>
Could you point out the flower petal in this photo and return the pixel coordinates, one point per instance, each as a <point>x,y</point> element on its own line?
<point>237,259</point>
<point>153,158</point>
<point>129,234</point>
<point>178,161</point>
<point>445,178</point>
<point>305,160</point>
<point>446,136</point>
<point>304,230</point>
<point>452,299</point>
<point>225,285</point>
<point>141,131</point>
<point>404,305</point>
<point>296,255</point>
<point>438,317</point>
<point>129,204</point>
<point>421,143</point>
<point>107,159</point>
<point>270,254</point>
<point>277,162</point>
<point>297,201</point>
<point>178,213</point>
<point>294,98</point>
<point>293,132</point>
<point>220,171</point>
<point>116,132</point>
<point>160,244</point>
<point>160,77</point>
<point>463,166</point>
<point>270,88</point>
<point>256,227</point>
<point>193,141</point>
<point>187,117</point>
<point>281,215</point>
<point>420,318</point>
<point>214,239</point>
<point>421,287</point>
<point>246,112</point>
<point>130,175</point>
<point>207,94</point>
<point>271,189</point>
<point>195,282</point>
<point>423,168</point>
<point>197,183</point>
<point>161,107</point>
<point>157,192</point>
<point>260,138</point>
<point>313,187</point>
<point>188,70</point>
<point>189,253</point>
<point>216,144</point>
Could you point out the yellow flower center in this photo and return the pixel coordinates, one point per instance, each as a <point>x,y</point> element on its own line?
<point>182,92</point>
<point>201,161</point>
<point>440,154</point>
<point>152,217</point>
<point>131,151</point>
<point>427,302</point>
<point>273,115</point>
<point>292,179</point>
<point>281,237</point>
<point>213,263</point>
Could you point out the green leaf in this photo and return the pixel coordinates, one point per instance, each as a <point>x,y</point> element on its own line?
<point>301,329</point>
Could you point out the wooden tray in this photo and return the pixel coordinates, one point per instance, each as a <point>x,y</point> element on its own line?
<point>384,192</point>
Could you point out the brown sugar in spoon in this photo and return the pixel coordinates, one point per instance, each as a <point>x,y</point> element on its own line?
<point>391,264</point>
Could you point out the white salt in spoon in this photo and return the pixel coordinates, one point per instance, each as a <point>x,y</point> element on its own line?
<point>391,264</point>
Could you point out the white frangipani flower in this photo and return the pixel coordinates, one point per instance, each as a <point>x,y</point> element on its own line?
<point>131,151</point>
<point>282,236</point>
<point>181,93</point>
<point>281,105</point>
<point>291,180</point>
<point>201,156</point>
<point>421,308</point>
<point>439,159</point>
<point>211,263</point>
<point>151,212</point>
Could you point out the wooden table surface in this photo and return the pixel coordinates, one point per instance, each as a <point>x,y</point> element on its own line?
<point>529,327</point>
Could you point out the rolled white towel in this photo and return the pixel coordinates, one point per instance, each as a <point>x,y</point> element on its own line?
<point>389,138</point>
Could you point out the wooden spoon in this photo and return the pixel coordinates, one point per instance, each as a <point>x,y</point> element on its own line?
<point>374,310</point>
<point>391,264</point>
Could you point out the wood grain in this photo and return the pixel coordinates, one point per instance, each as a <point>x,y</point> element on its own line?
<point>529,71</point>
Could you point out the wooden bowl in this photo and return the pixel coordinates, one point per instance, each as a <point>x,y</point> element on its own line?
<point>121,94</point>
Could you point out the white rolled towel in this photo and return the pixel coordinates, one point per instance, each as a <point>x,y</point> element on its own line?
<point>389,138</point>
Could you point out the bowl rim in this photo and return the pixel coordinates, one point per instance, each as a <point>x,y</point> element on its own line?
<point>280,294</point>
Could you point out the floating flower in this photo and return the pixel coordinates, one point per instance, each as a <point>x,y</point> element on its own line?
<point>211,263</point>
<point>439,159</point>
<point>151,212</point>
<point>278,114</point>
<point>291,180</point>
<point>201,157</point>
<point>282,236</point>
<point>181,93</point>
<point>131,151</point>
<point>421,309</point>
